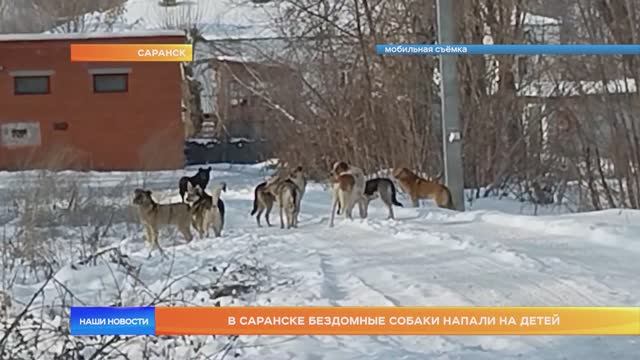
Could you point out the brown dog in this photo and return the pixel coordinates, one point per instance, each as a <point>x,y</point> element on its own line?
<point>419,188</point>
<point>347,183</point>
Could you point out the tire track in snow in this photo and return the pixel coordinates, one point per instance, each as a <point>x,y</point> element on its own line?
<point>330,287</point>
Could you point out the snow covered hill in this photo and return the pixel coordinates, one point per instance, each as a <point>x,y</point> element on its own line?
<point>427,257</point>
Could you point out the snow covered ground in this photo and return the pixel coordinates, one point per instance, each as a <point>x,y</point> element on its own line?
<point>492,254</point>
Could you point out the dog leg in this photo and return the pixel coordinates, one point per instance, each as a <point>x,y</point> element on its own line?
<point>148,236</point>
<point>266,216</point>
<point>296,213</point>
<point>363,207</point>
<point>346,206</point>
<point>206,223</point>
<point>281,217</point>
<point>186,232</point>
<point>149,240</point>
<point>349,208</point>
<point>217,225</point>
<point>391,215</point>
<point>258,217</point>
<point>415,201</point>
<point>156,242</point>
<point>291,216</point>
<point>387,198</point>
<point>333,209</point>
<point>148,232</point>
<point>199,229</point>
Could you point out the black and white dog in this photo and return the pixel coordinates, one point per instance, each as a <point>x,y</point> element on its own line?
<point>382,188</point>
<point>200,179</point>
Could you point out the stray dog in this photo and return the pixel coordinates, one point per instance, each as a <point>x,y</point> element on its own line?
<point>204,214</point>
<point>383,188</point>
<point>154,215</point>
<point>287,194</point>
<point>348,189</point>
<point>298,178</point>
<point>262,201</point>
<point>201,178</point>
<point>379,187</point>
<point>419,188</point>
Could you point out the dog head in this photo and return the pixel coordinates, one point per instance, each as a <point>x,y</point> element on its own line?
<point>142,197</point>
<point>218,189</point>
<point>402,173</point>
<point>298,171</point>
<point>338,168</point>
<point>204,173</point>
<point>194,193</point>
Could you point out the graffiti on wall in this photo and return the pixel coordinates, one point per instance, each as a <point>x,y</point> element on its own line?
<point>20,134</point>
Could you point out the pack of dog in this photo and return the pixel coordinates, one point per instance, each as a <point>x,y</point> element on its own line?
<point>345,190</point>
<point>197,209</point>
<point>287,187</point>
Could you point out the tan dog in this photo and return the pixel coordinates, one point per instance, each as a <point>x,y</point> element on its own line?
<point>205,210</point>
<point>262,201</point>
<point>419,188</point>
<point>154,216</point>
<point>348,184</point>
<point>287,195</point>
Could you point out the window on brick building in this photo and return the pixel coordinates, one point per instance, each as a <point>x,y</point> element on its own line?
<point>31,85</point>
<point>109,83</point>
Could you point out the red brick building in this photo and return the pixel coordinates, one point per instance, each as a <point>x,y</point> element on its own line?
<point>55,113</point>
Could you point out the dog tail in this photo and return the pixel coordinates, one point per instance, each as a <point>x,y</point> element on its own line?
<point>255,198</point>
<point>215,193</point>
<point>221,207</point>
<point>294,195</point>
<point>394,200</point>
<point>183,185</point>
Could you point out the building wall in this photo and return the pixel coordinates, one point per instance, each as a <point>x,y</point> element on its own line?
<point>133,130</point>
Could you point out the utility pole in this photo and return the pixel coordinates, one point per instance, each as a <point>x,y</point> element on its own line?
<point>451,131</point>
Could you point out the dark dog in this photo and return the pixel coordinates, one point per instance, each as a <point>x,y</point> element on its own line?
<point>262,201</point>
<point>201,179</point>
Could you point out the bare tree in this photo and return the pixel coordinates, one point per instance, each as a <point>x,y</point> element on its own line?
<point>81,15</point>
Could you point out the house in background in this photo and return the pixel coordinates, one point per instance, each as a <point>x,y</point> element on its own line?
<point>239,30</point>
<point>559,95</point>
<point>100,116</point>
